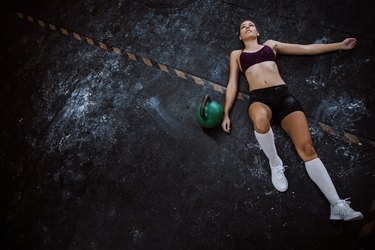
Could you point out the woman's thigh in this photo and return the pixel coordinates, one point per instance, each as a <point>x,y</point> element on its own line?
<point>295,125</point>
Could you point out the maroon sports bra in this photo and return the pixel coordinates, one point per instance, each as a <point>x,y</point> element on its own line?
<point>248,59</point>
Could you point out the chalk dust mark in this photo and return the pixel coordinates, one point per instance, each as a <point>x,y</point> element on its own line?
<point>165,118</point>
<point>343,110</point>
<point>322,40</point>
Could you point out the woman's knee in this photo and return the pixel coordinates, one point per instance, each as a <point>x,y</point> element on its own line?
<point>260,119</point>
<point>261,123</point>
<point>307,151</point>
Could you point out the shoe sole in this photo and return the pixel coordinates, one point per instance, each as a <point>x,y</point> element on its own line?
<point>359,217</point>
<point>281,190</point>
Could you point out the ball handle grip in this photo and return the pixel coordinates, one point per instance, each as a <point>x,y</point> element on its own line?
<point>203,106</point>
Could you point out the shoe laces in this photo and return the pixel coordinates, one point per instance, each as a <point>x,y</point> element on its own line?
<point>279,172</point>
<point>345,208</point>
<point>346,201</point>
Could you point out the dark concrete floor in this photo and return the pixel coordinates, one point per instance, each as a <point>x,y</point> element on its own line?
<point>99,151</point>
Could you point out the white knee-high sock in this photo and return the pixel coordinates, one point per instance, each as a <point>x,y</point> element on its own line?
<point>318,173</point>
<point>267,143</point>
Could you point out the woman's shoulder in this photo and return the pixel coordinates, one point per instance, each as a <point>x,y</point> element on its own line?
<point>236,53</point>
<point>270,43</point>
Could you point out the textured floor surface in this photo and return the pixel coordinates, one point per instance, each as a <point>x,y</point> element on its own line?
<point>100,147</point>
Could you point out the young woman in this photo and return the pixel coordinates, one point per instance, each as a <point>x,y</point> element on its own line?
<point>270,102</point>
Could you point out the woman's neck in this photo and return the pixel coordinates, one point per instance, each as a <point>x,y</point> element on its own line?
<point>251,45</point>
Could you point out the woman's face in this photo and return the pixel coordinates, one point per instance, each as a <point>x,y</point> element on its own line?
<point>248,29</point>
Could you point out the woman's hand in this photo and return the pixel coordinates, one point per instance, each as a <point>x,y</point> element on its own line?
<point>348,43</point>
<point>225,124</point>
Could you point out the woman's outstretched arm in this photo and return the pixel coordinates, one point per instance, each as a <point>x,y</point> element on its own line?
<point>231,92</point>
<point>310,49</point>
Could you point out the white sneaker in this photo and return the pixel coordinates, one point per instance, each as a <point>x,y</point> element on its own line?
<point>279,180</point>
<point>342,211</point>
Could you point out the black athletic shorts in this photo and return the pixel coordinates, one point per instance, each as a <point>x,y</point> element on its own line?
<point>278,99</point>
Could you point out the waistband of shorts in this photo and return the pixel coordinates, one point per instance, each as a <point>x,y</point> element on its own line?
<point>270,90</point>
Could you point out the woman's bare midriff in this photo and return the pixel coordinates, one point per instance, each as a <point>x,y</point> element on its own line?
<point>263,75</point>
